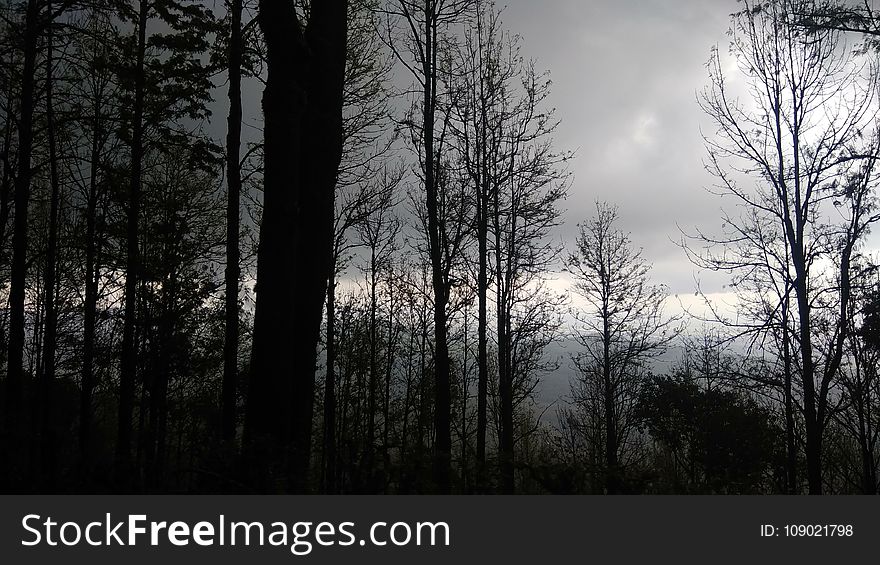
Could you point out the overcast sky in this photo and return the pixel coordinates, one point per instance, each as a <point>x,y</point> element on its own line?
<point>626,74</point>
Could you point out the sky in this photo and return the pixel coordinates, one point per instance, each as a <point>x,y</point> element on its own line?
<point>626,75</point>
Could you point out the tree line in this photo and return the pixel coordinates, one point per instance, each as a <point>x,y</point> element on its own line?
<point>356,293</point>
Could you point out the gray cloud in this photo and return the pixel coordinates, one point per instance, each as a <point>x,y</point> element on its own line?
<point>625,78</point>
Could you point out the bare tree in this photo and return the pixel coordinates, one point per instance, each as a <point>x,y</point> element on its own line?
<point>378,234</point>
<point>422,27</point>
<point>799,160</point>
<point>233,220</point>
<point>482,78</point>
<point>366,149</point>
<point>621,328</point>
<point>21,197</point>
<point>95,150</point>
<point>503,138</point>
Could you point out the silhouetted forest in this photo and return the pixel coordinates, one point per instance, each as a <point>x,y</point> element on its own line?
<point>363,290</point>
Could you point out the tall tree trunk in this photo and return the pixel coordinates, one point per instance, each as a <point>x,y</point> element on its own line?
<point>6,181</point>
<point>869,485</point>
<point>90,305</point>
<point>329,453</point>
<point>21,201</point>
<point>233,175</point>
<point>505,386</point>
<point>442,381</point>
<point>374,377</point>
<point>812,426</point>
<point>156,427</point>
<point>870,462</point>
<point>612,479</point>
<point>408,394</point>
<point>5,201</point>
<point>128,369</point>
<point>302,105</point>
<point>482,339</point>
<point>389,371</point>
<point>463,443</point>
<point>327,36</point>
<point>267,426</point>
<point>790,445</point>
<point>47,440</point>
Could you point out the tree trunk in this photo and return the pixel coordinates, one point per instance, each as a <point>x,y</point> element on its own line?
<point>128,370</point>
<point>268,424</point>
<point>442,382</point>
<point>21,199</point>
<point>482,339</point>
<point>389,371</point>
<point>91,295</point>
<point>812,426</point>
<point>6,181</point>
<point>463,448</point>
<point>47,440</point>
<point>233,175</point>
<point>870,462</point>
<point>612,478</point>
<point>5,201</point>
<point>159,389</point>
<point>790,445</point>
<point>374,377</point>
<point>869,484</point>
<point>505,386</point>
<point>329,468</point>
<point>302,105</point>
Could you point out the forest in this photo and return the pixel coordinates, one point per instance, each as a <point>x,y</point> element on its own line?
<point>360,293</point>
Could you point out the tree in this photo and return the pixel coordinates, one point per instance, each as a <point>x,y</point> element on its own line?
<point>425,25</point>
<point>481,97</point>
<point>181,237</point>
<point>803,147</point>
<point>15,377</point>
<point>378,232</point>
<point>128,365</point>
<point>503,138</point>
<point>47,441</point>
<point>233,211</point>
<point>841,16</point>
<point>166,81</point>
<point>96,150</point>
<point>857,407</point>
<point>719,441</point>
<point>621,328</point>
<point>302,107</point>
<point>366,117</point>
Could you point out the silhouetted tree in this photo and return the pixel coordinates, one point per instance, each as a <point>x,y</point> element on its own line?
<point>378,234</point>
<point>424,30</point>
<point>233,211</point>
<point>621,328</point>
<point>366,146</point>
<point>810,160</point>
<point>96,150</point>
<point>302,107</point>
<point>15,377</point>
<point>717,440</point>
